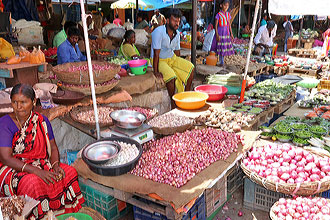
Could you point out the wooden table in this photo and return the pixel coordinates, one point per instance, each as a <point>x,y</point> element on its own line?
<point>23,72</point>
<point>184,52</point>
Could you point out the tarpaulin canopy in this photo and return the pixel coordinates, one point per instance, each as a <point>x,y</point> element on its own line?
<point>299,7</point>
<point>146,5</point>
<point>77,1</point>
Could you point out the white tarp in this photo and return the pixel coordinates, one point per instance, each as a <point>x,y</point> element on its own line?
<point>77,1</point>
<point>299,7</point>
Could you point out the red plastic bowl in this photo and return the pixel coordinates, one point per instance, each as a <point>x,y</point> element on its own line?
<point>137,63</point>
<point>215,92</point>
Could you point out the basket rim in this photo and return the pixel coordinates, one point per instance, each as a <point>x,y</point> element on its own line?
<point>287,188</point>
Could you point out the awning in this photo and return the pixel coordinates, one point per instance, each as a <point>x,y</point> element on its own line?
<point>91,2</point>
<point>146,5</point>
<point>299,7</point>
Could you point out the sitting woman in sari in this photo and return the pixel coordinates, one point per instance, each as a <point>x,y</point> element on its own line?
<point>127,48</point>
<point>29,159</point>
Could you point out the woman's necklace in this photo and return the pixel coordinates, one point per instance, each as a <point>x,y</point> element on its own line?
<point>19,123</point>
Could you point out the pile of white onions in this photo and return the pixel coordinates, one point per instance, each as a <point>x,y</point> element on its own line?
<point>302,208</point>
<point>176,159</point>
<point>128,152</point>
<point>287,164</point>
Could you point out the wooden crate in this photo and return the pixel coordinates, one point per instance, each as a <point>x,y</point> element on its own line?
<point>281,70</point>
<point>285,104</point>
<point>261,70</point>
<point>216,196</point>
<point>309,72</point>
<point>260,119</point>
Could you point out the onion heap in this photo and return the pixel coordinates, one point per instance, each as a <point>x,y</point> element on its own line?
<point>127,153</point>
<point>287,164</point>
<point>176,159</point>
<point>302,208</point>
<point>107,66</point>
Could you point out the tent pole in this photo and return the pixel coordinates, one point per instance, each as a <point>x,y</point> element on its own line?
<point>239,18</point>
<point>137,10</point>
<point>90,69</point>
<point>249,51</point>
<point>300,31</point>
<point>194,32</point>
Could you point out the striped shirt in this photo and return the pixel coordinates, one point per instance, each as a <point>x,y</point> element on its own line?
<point>223,18</point>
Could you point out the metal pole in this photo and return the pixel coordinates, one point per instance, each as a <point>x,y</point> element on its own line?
<point>90,69</point>
<point>239,18</point>
<point>194,32</point>
<point>137,10</point>
<point>249,51</point>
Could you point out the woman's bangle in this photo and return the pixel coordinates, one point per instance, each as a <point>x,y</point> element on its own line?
<point>24,167</point>
<point>53,164</point>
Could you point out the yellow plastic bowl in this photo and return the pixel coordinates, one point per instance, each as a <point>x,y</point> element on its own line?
<point>190,100</point>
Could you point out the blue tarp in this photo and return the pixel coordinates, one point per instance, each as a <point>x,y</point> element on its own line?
<point>158,4</point>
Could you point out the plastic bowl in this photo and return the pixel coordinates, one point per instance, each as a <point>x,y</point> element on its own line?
<point>140,70</point>
<point>80,216</point>
<point>190,100</point>
<point>137,63</point>
<point>215,92</point>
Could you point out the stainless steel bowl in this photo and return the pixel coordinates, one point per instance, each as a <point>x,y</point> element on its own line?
<point>127,119</point>
<point>101,151</point>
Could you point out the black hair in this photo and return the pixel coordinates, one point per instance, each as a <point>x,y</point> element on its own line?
<point>140,15</point>
<point>116,16</point>
<point>225,1</point>
<point>173,12</point>
<point>244,24</point>
<point>270,24</point>
<point>69,24</point>
<point>264,14</point>
<point>73,31</point>
<point>128,34</point>
<point>24,89</point>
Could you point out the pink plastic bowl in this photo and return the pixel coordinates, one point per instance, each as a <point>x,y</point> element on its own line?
<point>137,63</point>
<point>215,92</point>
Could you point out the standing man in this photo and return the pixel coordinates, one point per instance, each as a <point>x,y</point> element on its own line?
<point>288,33</point>
<point>165,56</point>
<point>141,22</point>
<point>157,20</point>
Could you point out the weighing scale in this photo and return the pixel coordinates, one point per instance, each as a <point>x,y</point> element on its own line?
<point>141,134</point>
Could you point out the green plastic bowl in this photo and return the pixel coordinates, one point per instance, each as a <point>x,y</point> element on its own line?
<point>139,70</point>
<point>233,90</point>
<point>308,83</point>
<point>79,216</point>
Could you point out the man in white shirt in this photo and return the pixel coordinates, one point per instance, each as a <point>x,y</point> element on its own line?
<point>264,39</point>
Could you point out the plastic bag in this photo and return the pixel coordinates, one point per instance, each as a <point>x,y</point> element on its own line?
<point>34,57</point>
<point>14,60</point>
<point>6,49</point>
<point>41,56</point>
<point>24,54</point>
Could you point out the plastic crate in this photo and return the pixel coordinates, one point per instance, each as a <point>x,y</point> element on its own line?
<point>326,194</point>
<point>103,203</point>
<point>234,178</point>
<point>71,156</point>
<point>197,212</point>
<point>216,196</point>
<point>258,197</point>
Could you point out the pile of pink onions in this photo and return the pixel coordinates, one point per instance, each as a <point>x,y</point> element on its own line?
<point>176,159</point>
<point>287,164</point>
<point>103,67</point>
<point>302,208</point>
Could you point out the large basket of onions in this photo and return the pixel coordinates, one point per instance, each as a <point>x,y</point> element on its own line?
<point>86,88</point>
<point>301,208</point>
<point>77,72</point>
<point>287,169</point>
<point>85,115</point>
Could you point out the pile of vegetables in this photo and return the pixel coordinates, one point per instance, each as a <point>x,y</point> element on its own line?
<point>127,153</point>
<point>322,111</point>
<point>287,164</point>
<point>320,98</point>
<point>118,60</point>
<point>240,41</point>
<point>108,66</point>
<point>230,79</point>
<point>169,120</point>
<point>269,90</point>
<point>302,208</point>
<point>225,119</point>
<point>51,52</point>
<point>176,159</point>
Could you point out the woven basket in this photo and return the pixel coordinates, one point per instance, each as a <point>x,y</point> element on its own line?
<point>82,77</point>
<point>171,130</point>
<point>75,111</point>
<point>92,213</point>
<point>99,88</point>
<point>272,214</point>
<point>305,189</point>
